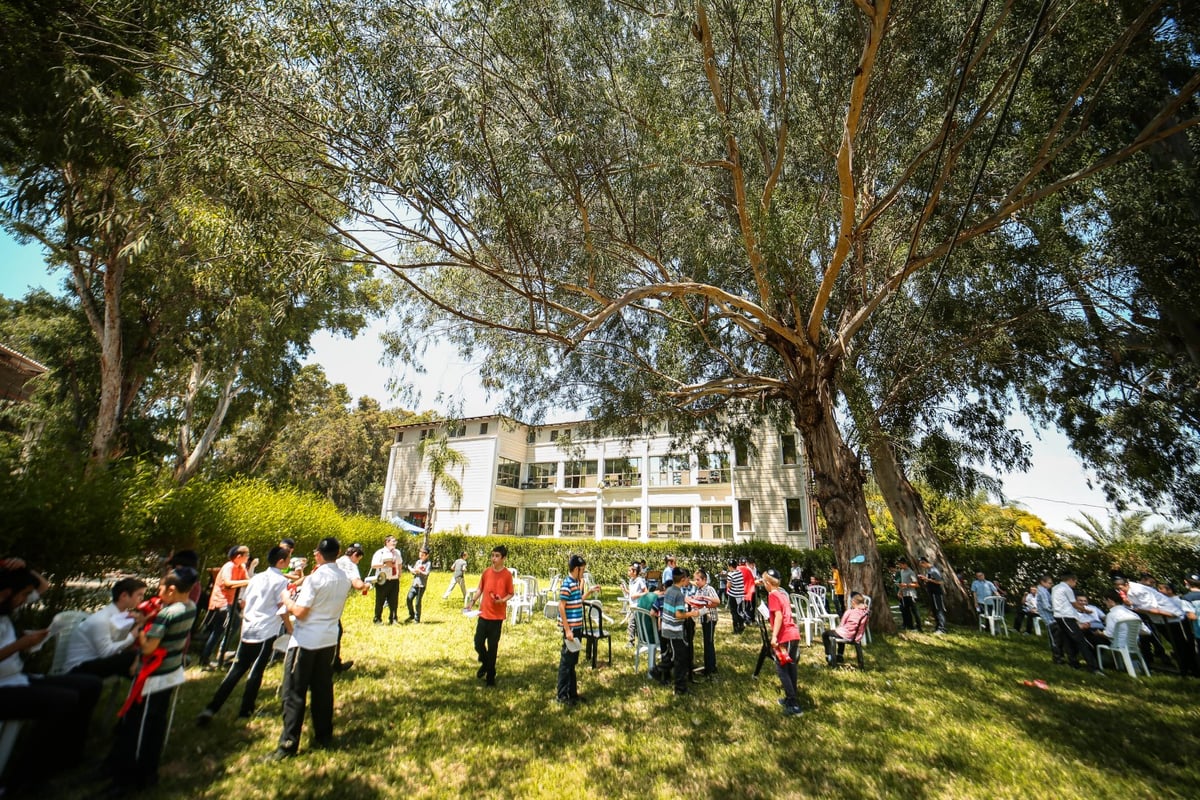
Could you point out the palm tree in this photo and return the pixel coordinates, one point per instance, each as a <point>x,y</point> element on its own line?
<point>440,460</point>
<point>1130,528</point>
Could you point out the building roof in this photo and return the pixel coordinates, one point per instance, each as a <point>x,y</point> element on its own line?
<point>16,370</point>
<point>432,422</point>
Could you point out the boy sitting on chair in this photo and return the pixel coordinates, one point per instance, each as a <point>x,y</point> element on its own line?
<point>850,629</point>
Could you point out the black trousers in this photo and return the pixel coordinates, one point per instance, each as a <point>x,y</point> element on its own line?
<point>251,657</point>
<point>568,682</point>
<point>138,741</point>
<point>387,593</point>
<point>735,613</point>
<point>681,662</point>
<point>1025,618</point>
<point>487,640</point>
<point>708,629</point>
<point>118,664</point>
<point>911,614</point>
<point>1074,643</point>
<point>307,672</point>
<point>62,706</point>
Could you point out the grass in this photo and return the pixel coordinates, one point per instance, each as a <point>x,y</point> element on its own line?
<point>931,717</point>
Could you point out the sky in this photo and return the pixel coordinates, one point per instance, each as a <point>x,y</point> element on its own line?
<point>1055,488</point>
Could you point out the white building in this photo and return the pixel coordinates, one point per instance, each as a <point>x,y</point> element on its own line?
<point>545,480</point>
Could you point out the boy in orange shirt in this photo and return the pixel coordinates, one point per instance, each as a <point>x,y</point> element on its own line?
<point>494,592</point>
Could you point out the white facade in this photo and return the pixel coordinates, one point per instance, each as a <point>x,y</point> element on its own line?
<point>523,480</point>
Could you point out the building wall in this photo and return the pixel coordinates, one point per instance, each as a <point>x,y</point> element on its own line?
<point>765,484</point>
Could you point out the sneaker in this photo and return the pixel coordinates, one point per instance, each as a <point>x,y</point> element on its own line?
<point>342,667</point>
<point>378,622</point>
<point>204,717</point>
<point>281,754</point>
<point>793,711</point>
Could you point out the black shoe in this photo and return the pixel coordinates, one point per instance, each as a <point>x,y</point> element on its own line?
<point>378,622</point>
<point>479,673</point>
<point>204,717</point>
<point>281,754</point>
<point>491,681</point>
<point>343,666</point>
<point>323,744</point>
<point>578,699</point>
<point>793,711</point>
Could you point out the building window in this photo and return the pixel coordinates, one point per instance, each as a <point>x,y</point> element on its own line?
<point>508,473</point>
<point>714,468</point>
<point>716,522</point>
<point>531,437</point>
<point>504,521</point>
<point>541,475</point>
<point>579,522</point>
<point>741,453</point>
<point>483,429</point>
<point>399,437</point>
<point>538,522</point>
<point>554,436</point>
<point>622,523</point>
<point>795,515</point>
<point>457,431</point>
<point>579,475</point>
<point>424,434</point>
<point>670,471</point>
<point>790,455</point>
<point>745,521</point>
<point>622,472</point>
<point>670,523</point>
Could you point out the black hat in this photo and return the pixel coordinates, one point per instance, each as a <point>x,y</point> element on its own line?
<point>576,561</point>
<point>773,574</point>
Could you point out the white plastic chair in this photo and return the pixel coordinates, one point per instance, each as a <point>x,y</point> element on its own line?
<point>1125,643</point>
<point>648,641</point>
<point>802,611</point>
<point>522,601</point>
<point>817,597</point>
<point>65,622</point>
<point>993,615</point>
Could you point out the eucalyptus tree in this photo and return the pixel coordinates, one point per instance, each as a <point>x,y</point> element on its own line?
<point>200,283</point>
<point>699,208</point>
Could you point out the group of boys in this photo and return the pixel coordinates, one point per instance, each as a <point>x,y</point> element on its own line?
<point>140,641</point>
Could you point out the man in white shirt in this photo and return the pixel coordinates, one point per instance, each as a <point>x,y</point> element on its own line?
<point>263,619</point>
<point>308,667</point>
<point>348,564</point>
<point>1091,620</point>
<point>387,562</point>
<point>1165,618</point>
<point>1065,607</point>
<point>102,644</point>
<point>420,573</point>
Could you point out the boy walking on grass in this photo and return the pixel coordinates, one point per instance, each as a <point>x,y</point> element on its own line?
<point>494,592</point>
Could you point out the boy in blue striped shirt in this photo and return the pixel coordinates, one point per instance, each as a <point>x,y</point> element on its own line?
<point>570,613</point>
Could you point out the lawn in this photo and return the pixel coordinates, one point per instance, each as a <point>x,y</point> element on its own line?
<point>931,717</point>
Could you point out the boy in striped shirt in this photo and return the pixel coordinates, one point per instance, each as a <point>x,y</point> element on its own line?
<point>570,613</point>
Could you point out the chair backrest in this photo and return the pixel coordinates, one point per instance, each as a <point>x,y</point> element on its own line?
<point>646,628</point>
<point>993,606</point>
<point>816,596</point>
<point>66,622</point>
<point>799,607</point>
<point>593,618</point>
<point>1125,634</point>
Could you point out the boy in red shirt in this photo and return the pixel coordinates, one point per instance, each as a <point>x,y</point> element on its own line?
<point>494,592</point>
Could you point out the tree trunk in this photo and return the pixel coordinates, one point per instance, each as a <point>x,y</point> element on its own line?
<point>111,367</point>
<point>912,523</point>
<point>429,512</point>
<point>189,462</point>
<point>839,491</point>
